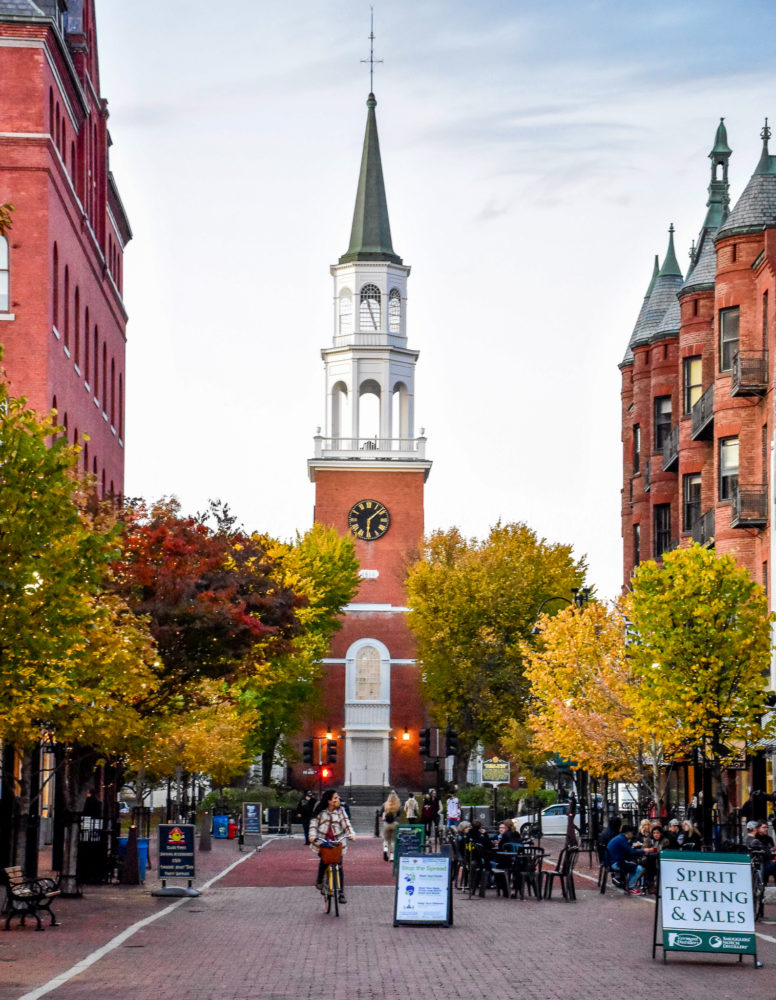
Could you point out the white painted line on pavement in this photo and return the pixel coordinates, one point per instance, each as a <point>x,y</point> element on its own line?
<point>119,939</point>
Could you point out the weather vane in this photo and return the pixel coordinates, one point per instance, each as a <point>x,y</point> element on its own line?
<point>371,60</point>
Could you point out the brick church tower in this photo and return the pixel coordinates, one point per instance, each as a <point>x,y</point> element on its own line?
<point>62,318</point>
<point>369,471</point>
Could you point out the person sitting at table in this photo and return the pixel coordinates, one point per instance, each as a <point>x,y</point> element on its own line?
<point>645,831</point>
<point>625,859</point>
<point>760,843</point>
<point>507,834</point>
<point>480,846</point>
<point>690,836</point>
<point>652,848</point>
<point>615,822</point>
<point>672,834</point>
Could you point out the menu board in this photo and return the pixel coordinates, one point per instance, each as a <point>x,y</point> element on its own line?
<point>409,840</point>
<point>251,818</point>
<point>424,894</point>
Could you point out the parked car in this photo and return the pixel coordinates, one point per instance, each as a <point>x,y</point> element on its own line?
<point>554,821</point>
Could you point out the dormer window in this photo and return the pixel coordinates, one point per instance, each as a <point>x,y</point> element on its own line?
<point>369,315</point>
<point>394,311</point>
<point>5,284</point>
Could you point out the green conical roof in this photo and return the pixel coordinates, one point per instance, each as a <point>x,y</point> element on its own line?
<point>370,235</point>
<point>720,141</point>
<point>670,264</point>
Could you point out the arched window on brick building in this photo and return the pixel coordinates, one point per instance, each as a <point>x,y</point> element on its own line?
<point>5,276</point>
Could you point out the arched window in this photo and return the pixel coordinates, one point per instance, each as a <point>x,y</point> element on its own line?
<point>55,288</point>
<point>369,316</point>
<point>51,112</point>
<point>77,326</point>
<point>5,283</point>
<point>345,311</point>
<point>86,456</point>
<point>369,402</point>
<point>104,377</point>
<point>66,298</point>
<point>121,405</point>
<point>394,311</point>
<point>58,126</point>
<point>367,678</point>
<point>112,392</point>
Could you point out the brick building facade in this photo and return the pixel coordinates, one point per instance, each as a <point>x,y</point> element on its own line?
<point>369,470</point>
<point>62,318</point>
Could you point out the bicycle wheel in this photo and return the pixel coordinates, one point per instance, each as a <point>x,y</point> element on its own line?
<point>336,889</point>
<point>328,890</point>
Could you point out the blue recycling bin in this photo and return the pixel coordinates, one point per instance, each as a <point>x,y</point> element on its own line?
<point>221,827</point>
<point>142,853</point>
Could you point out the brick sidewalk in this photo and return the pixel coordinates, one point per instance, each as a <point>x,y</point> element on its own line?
<point>241,940</point>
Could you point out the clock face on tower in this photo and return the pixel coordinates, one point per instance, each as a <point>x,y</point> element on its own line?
<point>369,519</point>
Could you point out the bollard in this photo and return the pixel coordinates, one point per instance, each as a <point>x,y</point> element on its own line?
<point>377,823</point>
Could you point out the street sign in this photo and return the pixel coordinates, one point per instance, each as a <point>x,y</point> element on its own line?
<point>495,772</point>
<point>706,904</point>
<point>424,892</point>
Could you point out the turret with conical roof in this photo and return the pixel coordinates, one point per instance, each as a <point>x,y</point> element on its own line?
<point>755,210</point>
<point>628,359</point>
<point>370,234</point>
<point>661,295</point>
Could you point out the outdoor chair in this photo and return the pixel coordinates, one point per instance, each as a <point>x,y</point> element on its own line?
<point>564,872</point>
<point>528,872</point>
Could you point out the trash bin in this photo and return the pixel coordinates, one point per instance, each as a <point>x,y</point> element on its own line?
<point>142,854</point>
<point>232,831</point>
<point>221,827</point>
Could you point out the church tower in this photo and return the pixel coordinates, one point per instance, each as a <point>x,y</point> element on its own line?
<point>369,470</point>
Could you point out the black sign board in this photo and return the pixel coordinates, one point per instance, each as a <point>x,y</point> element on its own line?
<point>176,850</point>
<point>409,840</point>
<point>251,819</point>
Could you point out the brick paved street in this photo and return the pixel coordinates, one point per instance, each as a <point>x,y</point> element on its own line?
<point>260,932</point>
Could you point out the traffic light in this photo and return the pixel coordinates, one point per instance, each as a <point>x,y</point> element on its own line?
<point>331,751</point>
<point>307,751</point>
<point>325,773</point>
<point>424,744</point>
<point>451,743</point>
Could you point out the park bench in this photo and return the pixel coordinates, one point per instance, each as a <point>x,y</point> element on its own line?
<point>26,897</point>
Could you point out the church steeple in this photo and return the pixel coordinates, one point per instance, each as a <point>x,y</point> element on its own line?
<point>370,234</point>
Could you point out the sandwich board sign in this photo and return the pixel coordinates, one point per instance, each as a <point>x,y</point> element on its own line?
<point>250,831</point>
<point>410,839</point>
<point>706,904</point>
<point>424,891</point>
<point>176,858</point>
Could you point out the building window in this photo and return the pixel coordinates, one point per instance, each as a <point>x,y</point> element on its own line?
<point>367,674</point>
<point>765,321</point>
<point>5,285</point>
<point>636,449</point>
<point>692,381</point>
<point>728,337</point>
<point>77,327</point>
<point>691,493</point>
<point>636,544</point>
<point>394,311</point>
<point>728,467</point>
<point>369,317</point>
<point>96,360</point>
<point>765,576</point>
<point>661,513</point>
<point>662,420</point>
<point>55,288</point>
<point>66,299</point>
<point>345,311</point>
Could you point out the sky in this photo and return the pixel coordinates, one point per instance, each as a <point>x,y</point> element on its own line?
<point>534,156</point>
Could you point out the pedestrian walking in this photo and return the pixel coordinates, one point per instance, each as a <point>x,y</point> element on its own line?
<point>411,808</point>
<point>390,818</point>
<point>304,813</point>
<point>453,810</point>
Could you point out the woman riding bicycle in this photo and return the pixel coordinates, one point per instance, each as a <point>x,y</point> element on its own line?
<point>330,824</point>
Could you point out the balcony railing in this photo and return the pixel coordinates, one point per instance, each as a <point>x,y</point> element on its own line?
<point>703,530</point>
<point>663,545</point>
<point>703,416</point>
<point>372,339</point>
<point>647,475</point>
<point>671,449</point>
<point>369,448</point>
<point>750,373</point>
<point>750,507</point>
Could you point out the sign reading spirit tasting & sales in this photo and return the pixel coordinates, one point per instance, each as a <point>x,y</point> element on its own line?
<point>423,891</point>
<point>706,903</point>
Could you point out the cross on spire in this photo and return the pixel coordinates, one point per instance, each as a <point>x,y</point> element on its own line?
<point>371,60</point>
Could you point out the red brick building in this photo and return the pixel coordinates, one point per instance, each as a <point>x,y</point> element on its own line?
<point>698,387</point>
<point>369,471</point>
<point>62,318</point>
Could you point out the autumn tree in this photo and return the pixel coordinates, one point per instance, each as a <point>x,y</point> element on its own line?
<point>701,655</point>
<point>473,605</point>
<point>73,661</point>
<point>321,567</point>
<point>586,697</point>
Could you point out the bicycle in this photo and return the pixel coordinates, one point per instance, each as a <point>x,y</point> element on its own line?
<point>331,856</point>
